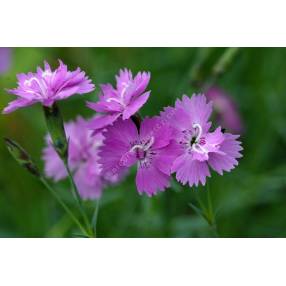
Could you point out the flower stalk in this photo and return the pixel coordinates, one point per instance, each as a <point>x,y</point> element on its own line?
<point>95,217</point>
<point>206,210</point>
<point>56,130</point>
<point>78,198</point>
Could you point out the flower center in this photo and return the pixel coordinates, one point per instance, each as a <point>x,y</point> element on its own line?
<point>143,152</point>
<point>193,139</point>
<point>143,146</point>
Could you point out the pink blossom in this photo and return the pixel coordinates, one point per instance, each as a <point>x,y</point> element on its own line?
<point>124,101</point>
<point>151,148</point>
<point>47,86</point>
<point>200,148</point>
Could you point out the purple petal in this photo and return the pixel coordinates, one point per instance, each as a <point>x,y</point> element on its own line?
<point>135,105</point>
<point>124,77</point>
<point>103,106</point>
<point>18,103</point>
<point>189,170</point>
<point>231,147</point>
<point>198,109</point>
<point>166,156</point>
<point>102,121</point>
<point>150,180</point>
<point>158,129</point>
<point>117,144</point>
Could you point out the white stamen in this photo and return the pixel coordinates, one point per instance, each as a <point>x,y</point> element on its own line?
<point>143,147</point>
<point>136,147</point>
<point>198,126</point>
<point>196,145</point>
<point>150,143</point>
<point>199,149</point>
<point>115,100</point>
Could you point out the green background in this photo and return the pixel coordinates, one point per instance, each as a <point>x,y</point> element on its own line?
<point>250,201</point>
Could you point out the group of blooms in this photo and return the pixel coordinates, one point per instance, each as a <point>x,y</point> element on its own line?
<point>103,148</point>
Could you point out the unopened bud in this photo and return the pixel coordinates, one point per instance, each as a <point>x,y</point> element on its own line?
<point>22,157</point>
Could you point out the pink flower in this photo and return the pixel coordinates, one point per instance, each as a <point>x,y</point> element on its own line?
<point>125,100</point>
<point>83,160</point>
<point>200,148</point>
<point>152,148</point>
<point>47,86</point>
<point>226,110</point>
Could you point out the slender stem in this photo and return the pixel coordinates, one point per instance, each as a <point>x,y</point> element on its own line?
<point>208,211</point>
<point>77,197</point>
<point>94,217</point>
<point>221,65</point>
<point>65,207</point>
<point>195,70</point>
<point>212,215</point>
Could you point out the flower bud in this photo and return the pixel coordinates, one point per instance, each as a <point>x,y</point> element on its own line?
<point>22,157</point>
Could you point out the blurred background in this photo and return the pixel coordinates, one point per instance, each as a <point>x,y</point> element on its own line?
<point>248,88</point>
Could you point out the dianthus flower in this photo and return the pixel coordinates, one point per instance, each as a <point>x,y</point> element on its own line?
<point>152,148</point>
<point>128,97</point>
<point>200,148</point>
<point>82,160</point>
<point>226,110</point>
<point>47,86</point>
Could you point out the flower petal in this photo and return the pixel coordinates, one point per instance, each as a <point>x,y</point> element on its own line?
<point>189,170</point>
<point>227,161</point>
<point>150,180</point>
<point>135,105</point>
<point>102,121</point>
<point>18,103</point>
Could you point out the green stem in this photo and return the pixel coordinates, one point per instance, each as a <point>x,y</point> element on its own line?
<point>212,215</point>
<point>224,61</point>
<point>195,71</point>
<point>207,211</point>
<point>220,66</point>
<point>78,198</point>
<point>65,207</point>
<point>94,217</point>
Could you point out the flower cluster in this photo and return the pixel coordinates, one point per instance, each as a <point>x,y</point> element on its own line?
<point>180,140</point>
